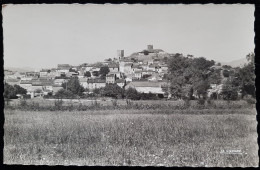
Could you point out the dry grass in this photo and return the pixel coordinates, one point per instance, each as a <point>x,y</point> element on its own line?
<point>126,137</point>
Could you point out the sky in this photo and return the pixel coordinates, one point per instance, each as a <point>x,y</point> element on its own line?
<point>44,35</point>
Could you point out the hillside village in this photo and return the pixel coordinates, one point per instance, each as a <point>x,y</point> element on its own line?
<point>146,71</point>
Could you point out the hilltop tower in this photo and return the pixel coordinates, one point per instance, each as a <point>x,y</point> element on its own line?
<point>150,47</point>
<point>120,54</point>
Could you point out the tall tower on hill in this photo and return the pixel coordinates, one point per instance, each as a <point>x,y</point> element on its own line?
<point>149,47</point>
<point>120,54</point>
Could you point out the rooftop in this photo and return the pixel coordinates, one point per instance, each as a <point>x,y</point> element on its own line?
<point>96,81</point>
<point>110,75</point>
<point>145,84</point>
<point>120,80</point>
<point>113,65</point>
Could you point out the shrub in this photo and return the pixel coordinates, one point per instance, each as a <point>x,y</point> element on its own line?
<point>26,96</point>
<point>58,104</point>
<point>114,103</point>
<point>250,100</point>
<point>62,93</point>
<point>132,93</point>
<point>187,103</point>
<point>201,102</point>
<point>23,103</point>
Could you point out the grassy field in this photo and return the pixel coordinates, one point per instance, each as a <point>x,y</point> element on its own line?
<point>131,138</point>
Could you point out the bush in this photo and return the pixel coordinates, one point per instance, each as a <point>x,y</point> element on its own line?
<point>250,100</point>
<point>26,96</point>
<point>201,102</point>
<point>23,103</point>
<point>187,103</point>
<point>58,104</point>
<point>114,103</point>
<point>132,93</point>
<point>62,93</point>
<point>148,96</point>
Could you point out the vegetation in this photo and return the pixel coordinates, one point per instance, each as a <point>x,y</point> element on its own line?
<point>87,74</point>
<point>112,90</point>
<point>131,138</point>
<point>64,94</point>
<point>103,72</point>
<point>188,75</point>
<point>74,86</point>
<point>11,92</point>
<point>191,77</point>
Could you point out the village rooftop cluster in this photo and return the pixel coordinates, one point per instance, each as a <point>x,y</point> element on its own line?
<point>145,71</point>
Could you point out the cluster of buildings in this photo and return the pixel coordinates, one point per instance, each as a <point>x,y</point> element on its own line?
<point>145,72</point>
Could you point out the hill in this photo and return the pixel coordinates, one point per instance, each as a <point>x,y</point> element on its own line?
<point>236,63</point>
<point>19,69</point>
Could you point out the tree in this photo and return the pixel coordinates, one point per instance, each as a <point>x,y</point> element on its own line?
<point>246,77</point>
<point>62,93</point>
<point>9,92</point>
<point>112,90</point>
<point>201,88</point>
<point>225,73</point>
<point>103,71</point>
<point>229,92</point>
<point>19,90</point>
<point>97,91</point>
<point>95,73</point>
<point>74,86</point>
<point>132,93</point>
<point>146,76</point>
<point>87,74</point>
<point>188,74</point>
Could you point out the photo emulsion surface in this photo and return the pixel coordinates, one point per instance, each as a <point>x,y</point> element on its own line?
<point>130,85</point>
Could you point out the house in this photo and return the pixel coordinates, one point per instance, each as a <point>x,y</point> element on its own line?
<point>63,69</point>
<point>27,78</point>
<point>128,68</point>
<point>154,77</point>
<point>8,72</point>
<point>26,84</point>
<point>152,67</point>
<point>44,72</point>
<point>72,74</point>
<point>136,67</point>
<point>117,73</point>
<point>17,75</point>
<point>122,63</point>
<point>128,79</point>
<point>95,83</point>
<point>113,67</point>
<point>43,84</point>
<point>138,74</point>
<point>12,81</point>
<point>120,82</point>
<point>110,78</point>
<point>60,81</point>
<point>56,88</point>
<point>147,87</point>
<point>81,73</point>
<point>95,69</point>
<point>83,82</point>
<point>88,68</point>
<point>164,68</point>
<point>32,74</point>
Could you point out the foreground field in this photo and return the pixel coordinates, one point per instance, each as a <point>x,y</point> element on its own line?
<point>126,137</point>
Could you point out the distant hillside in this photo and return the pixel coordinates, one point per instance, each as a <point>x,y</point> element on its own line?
<point>236,63</point>
<point>19,69</point>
